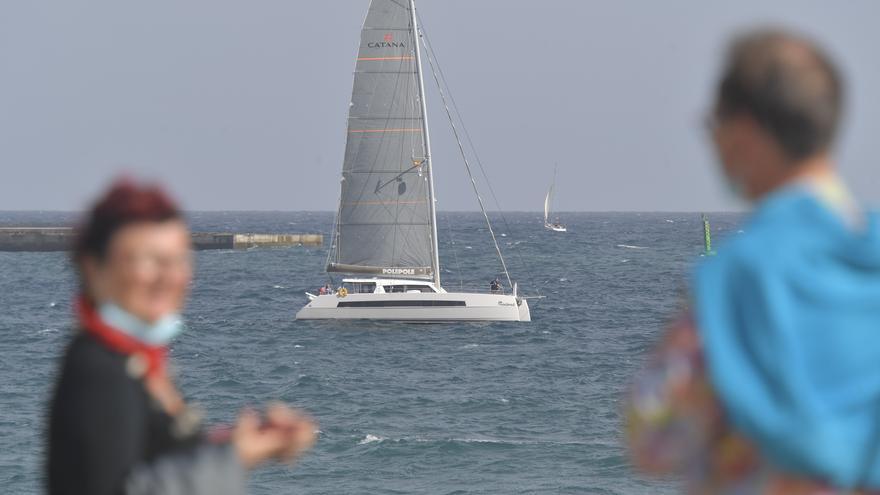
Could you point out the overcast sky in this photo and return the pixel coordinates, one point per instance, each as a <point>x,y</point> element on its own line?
<point>241,104</point>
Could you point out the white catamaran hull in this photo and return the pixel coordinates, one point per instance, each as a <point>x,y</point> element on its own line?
<point>445,306</point>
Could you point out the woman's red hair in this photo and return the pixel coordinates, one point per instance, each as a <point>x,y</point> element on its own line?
<point>126,202</point>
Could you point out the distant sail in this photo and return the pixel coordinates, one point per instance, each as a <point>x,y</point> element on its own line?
<point>547,205</point>
<point>384,222</point>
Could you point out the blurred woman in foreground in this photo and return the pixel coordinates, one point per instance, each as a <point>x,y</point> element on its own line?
<point>118,423</point>
<point>770,384</point>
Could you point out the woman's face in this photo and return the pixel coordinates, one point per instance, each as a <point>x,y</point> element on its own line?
<point>146,271</point>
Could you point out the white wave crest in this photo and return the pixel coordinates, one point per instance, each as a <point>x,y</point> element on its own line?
<point>370,439</point>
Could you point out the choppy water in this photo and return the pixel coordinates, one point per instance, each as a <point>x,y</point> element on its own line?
<point>441,408</point>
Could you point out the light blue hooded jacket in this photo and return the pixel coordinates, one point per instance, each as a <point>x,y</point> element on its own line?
<point>789,315</point>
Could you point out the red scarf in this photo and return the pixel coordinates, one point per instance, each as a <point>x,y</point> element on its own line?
<point>154,356</point>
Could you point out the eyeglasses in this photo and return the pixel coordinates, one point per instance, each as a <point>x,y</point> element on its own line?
<point>714,119</point>
<point>155,262</point>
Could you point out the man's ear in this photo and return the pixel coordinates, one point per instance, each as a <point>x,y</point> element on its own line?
<point>745,132</point>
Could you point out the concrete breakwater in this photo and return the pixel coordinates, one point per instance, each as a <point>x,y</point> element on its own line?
<point>60,239</point>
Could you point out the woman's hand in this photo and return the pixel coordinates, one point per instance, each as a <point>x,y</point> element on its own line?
<point>298,428</point>
<point>284,435</point>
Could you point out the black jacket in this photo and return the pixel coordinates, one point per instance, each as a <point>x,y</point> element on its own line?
<point>107,436</point>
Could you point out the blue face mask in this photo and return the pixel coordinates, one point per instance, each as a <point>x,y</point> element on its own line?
<point>158,333</point>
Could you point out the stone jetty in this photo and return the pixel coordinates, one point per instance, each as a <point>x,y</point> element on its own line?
<point>60,238</point>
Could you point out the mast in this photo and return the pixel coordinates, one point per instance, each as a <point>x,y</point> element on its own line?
<point>432,205</point>
<point>555,165</point>
<point>548,204</point>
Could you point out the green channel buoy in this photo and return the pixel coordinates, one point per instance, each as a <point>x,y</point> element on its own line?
<point>707,237</point>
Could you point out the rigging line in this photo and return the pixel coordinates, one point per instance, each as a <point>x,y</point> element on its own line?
<point>331,248</point>
<point>403,237</point>
<point>335,232</point>
<point>468,166</point>
<point>423,157</point>
<point>473,148</point>
<point>334,240</point>
<point>455,253</point>
<point>382,185</point>
<point>414,106</point>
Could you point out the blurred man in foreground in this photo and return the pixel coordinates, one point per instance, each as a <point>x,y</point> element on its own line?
<point>770,383</point>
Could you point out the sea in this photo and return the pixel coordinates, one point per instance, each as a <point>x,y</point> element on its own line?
<point>443,408</point>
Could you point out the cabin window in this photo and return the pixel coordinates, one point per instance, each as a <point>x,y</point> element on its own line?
<point>408,288</point>
<point>367,288</point>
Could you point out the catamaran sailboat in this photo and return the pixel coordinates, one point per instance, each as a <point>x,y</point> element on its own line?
<point>386,226</point>
<point>555,226</point>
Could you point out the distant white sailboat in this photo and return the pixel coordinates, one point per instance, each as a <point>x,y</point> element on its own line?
<point>555,226</point>
<point>386,225</point>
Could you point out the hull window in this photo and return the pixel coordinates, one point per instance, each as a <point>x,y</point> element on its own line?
<point>397,304</point>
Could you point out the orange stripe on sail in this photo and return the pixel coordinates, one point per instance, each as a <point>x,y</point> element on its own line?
<point>409,129</point>
<point>385,58</point>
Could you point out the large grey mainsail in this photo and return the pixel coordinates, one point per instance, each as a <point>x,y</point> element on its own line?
<point>384,222</point>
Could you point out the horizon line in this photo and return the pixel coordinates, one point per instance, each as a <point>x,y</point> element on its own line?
<point>438,211</point>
